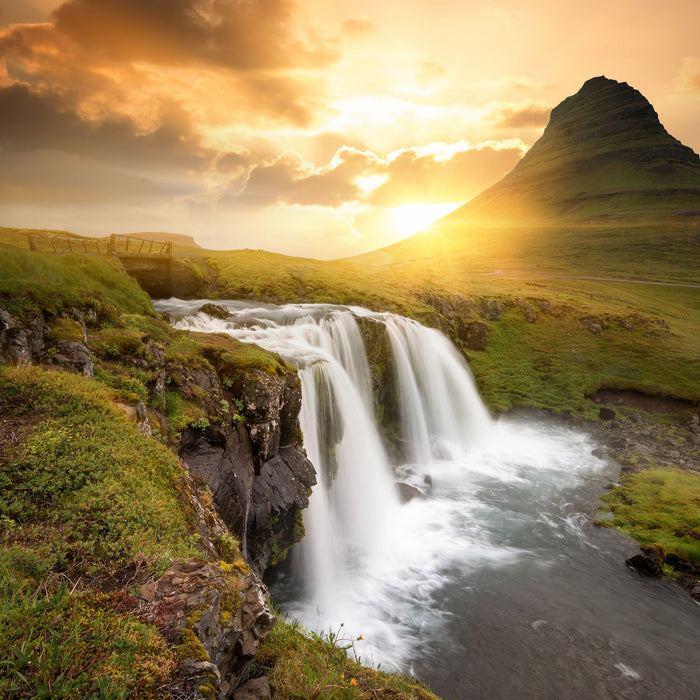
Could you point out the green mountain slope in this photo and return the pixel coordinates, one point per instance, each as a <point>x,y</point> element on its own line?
<point>603,156</point>
<point>605,191</point>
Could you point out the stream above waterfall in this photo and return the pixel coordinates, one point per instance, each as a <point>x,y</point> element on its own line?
<point>492,581</point>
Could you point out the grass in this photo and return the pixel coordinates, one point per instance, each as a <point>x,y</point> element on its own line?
<point>58,645</point>
<point>648,341</point>
<point>81,488</point>
<point>303,665</point>
<point>86,502</point>
<point>39,281</point>
<point>660,508</point>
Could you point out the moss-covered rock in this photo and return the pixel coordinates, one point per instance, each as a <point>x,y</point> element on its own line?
<point>220,614</point>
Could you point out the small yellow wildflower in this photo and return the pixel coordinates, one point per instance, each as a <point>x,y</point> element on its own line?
<point>353,681</point>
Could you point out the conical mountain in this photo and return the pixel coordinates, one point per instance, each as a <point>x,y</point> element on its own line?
<point>603,158</point>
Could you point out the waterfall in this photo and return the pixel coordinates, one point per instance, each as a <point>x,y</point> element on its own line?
<point>441,412</point>
<point>473,584</point>
<point>355,525</point>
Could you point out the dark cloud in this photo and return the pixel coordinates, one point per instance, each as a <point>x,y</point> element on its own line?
<point>413,177</point>
<point>232,164</point>
<point>240,34</point>
<point>109,54</point>
<point>531,114</point>
<point>290,179</point>
<point>32,120</point>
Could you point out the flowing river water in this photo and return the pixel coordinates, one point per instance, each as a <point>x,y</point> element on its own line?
<point>492,582</point>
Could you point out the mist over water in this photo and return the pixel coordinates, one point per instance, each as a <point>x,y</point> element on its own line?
<point>493,582</point>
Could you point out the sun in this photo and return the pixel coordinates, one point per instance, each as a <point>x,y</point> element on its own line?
<point>408,219</point>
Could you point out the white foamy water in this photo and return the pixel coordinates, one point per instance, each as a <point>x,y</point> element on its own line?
<point>459,586</point>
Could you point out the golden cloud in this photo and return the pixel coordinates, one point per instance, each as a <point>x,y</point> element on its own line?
<point>432,174</point>
<point>125,56</point>
<point>528,114</point>
<point>690,74</point>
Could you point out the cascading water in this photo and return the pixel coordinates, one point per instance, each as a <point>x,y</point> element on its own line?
<point>478,583</point>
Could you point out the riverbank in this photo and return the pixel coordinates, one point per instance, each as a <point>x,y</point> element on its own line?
<point>656,442</point>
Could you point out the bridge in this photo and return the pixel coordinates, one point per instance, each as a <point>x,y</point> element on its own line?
<point>151,263</point>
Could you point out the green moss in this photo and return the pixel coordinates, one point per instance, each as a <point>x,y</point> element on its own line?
<point>661,509</point>
<point>299,530</point>
<point>54,644</point>
<point>190,647</point>
<point>65,329</point>
<point>207,691</point>
<point>230,605</point>
<point>87,491</point>
<point>228,547</point>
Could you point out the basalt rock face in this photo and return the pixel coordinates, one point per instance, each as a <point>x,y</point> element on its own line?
<point>31,341</point>
<point>217,615</point>
<point>257,471</point>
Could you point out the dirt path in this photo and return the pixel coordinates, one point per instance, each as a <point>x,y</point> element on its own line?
<point>530,275</point>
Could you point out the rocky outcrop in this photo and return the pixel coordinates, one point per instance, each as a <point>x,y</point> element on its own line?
<point>215,310</point>
<point>257,470</point>
<point>59,341</point>
<point>216,615</point>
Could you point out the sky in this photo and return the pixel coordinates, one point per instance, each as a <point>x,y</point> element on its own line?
<point>318,128</point>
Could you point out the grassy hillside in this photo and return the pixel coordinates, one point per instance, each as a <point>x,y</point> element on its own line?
<point>579,335</point>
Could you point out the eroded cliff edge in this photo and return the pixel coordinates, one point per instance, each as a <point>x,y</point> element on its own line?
<point>230,413</point>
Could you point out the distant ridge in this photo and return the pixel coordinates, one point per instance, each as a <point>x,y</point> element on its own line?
<point>179,239</point>
<point>604,156</point>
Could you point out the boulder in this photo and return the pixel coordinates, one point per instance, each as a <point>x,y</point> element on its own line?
<point>217,614</point>
<point>15,343</point>
<point>254,689</point>
<point>72,356</point>
<point>407,492</point>
<point>215,311</point>
<point>606,413</point>
<point>649,562</point>
<point>490,309</point>
<point>472,334</point>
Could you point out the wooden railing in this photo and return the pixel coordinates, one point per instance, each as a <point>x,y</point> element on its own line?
<point>133,245</point>
<point>117,244</point>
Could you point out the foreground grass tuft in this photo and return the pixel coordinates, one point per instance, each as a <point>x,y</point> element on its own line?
<point>79,486</point>
<point>303,665</point>
<point>55,644</point>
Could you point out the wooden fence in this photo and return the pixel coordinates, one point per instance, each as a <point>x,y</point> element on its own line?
<point>116,244</point>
